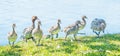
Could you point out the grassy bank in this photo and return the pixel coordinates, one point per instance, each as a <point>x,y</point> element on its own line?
<point>107,45</point>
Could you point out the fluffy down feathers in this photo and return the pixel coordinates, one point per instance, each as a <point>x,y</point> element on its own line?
<point>98,24</point>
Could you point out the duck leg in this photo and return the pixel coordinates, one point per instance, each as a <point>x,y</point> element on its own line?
<point>33,39</point>
<point>13,44</point>
<point>97,33</point>
<point>26,40</point>
<point>52,36</point>
<point>74,36</point>
<point>66,36</point>
<point>39,42</point>
<point>9,43</point>
<point>57,35</point>
<point>103,31</point>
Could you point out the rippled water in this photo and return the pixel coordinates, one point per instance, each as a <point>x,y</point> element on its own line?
<point>48,11</point>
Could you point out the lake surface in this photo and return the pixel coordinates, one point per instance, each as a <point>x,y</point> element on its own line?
<point>48,11</point>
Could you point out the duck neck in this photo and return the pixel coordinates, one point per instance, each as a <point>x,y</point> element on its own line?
<point>33,25</point>
<point>38,26</point>
<point>13,29</point>
<point>58,24</point>
<point>84,21</point>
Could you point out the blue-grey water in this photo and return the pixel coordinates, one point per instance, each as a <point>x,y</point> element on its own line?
<point>48,11</point>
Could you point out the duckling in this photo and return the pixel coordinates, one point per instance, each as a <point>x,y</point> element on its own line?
<point>37,33</point>
<point>12,36</point>
<point>54,30</point>
<point>72,29</point>
<point>98,25</point>
<point>27,33</point>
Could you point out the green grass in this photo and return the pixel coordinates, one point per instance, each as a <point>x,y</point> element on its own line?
<point>107,45</point>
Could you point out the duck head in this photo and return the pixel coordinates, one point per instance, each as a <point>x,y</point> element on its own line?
<point>59,21</point>
<point>84,17</point>
<point>34,18</point>
<point>13,25</point>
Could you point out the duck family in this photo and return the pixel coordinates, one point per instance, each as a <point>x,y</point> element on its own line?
<point>36,33</point>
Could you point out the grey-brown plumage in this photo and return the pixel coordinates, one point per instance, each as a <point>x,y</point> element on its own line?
<point>98,25</point>
<point>72,29</point>
<point>27,33</point>
<point>37,33</point>
<point>12,36</point>
<point>54,30</point>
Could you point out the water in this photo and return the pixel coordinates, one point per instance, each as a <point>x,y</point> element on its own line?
<point>48,11</point>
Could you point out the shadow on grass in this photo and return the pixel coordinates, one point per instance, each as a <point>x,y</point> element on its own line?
<point>69,46</point>
<point>16,46</point>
